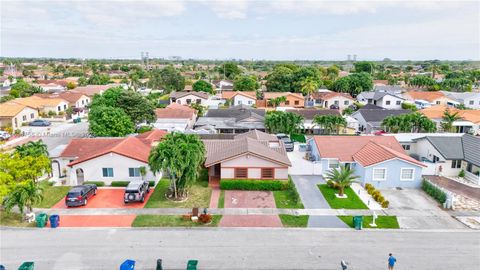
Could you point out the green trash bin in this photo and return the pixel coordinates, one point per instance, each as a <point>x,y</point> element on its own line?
<point>357,222</point>
<point>26,266</point>
<point>192,265</point>
<point>41,220</point>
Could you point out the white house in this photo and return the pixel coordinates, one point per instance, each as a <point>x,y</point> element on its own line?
<point>14,115</point>
<point>175,117</point>
<point>382,99</point>
<point>332,99</point>
<point>187,98</point>
<point>469,99</point>
<point>248,98</point>
<point>107,159</point>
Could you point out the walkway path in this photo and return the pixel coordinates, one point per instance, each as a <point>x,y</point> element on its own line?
<point>455,187</point>
<point>214,197</point>
<point>312,198</point>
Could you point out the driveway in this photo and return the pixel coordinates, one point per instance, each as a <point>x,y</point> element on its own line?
<point>107,198</point>
<point>456,187</point>
<point>312,198</point>
<point>249,199</point>
<point>416,199</point>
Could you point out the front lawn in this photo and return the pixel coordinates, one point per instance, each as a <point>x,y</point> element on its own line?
<point>351,202</point>
<point>221,199</point>
<point>170,221</point>
<point>287,199</point>
<point>13,220</point>
<point>51,194</point>
<point>294,221</point>
<point>198,196</point>
<point>383,222</point>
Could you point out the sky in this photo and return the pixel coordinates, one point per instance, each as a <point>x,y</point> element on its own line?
<point>242,29</point>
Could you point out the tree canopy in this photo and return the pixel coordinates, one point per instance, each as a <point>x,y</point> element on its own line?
<point>354,84</point>
<point>203,86</point>
<point>109,122</point>
<point>289,78</point>
<point>245,83</point>
<point>414,122</point>
<point>167,78</point>
<point>330,122</point>
<point>136,106</point>
<point>283,122</point>
<point>364,66</point>
<point>230,70</point>
<point>179,156</point>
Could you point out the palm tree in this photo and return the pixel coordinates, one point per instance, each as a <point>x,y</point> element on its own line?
<point>24,195</point>
<point>275,102</point>
<point>448,119</point>
<point>329,122</point>
<point>33,149</point>
<point>342,177</point>
<point>308,86</point>
<point>180,155</point>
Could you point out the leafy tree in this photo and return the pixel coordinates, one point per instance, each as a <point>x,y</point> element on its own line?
<point>230,70</point>
<point>310,74</point>
<point>199,108</point>
<point>82,81</point>
<point>330,122</point>
<point>179,156</point>
<point>448,119</point>
<point>25,195</point>
<point>409,106</point>
<point>167,78</point>
<point>109,122</point>
<point>354,84</point>
<point>71,85</point>
<point>308,86</point>
<point>364,66</point>
<point>33,149</point>
<point>332,72</point>
<point>203,86</point>
<point>136,106</point>
<point>280,80</point>
<point>457,84</point>
<point>343,177</point>
<point>414,122</point>
<point>108,98</point>
<point>245,83</point>
<point>283,122</point>
<point>23,89</point>
<point>421,81</point>
<point>98,79</point>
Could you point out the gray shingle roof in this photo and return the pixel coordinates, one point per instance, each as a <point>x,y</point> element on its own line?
<point>471,149</point>
<point>449,147</point>
<point>237,112</point>
<point>377,115</point>
<point>186,93</point>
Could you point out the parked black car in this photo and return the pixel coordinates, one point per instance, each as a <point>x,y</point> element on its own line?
<point>136,191</point>
<point>79,195</point>
<point>334,107</point>
<point>286,141</point>
<point>39,123</point>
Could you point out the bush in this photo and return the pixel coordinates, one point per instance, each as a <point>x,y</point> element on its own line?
<point>434,191</point>
<point>125,183</point>
<point>461,173</point>
<point>298,138</point>
<point>205,218</point>
<point>51,113</point>
<point>97,183</point>
<point>380,199</point>
<point>368,186</point>
<point>242,184</point>
<point>293,191</point>
<point>385,204</point>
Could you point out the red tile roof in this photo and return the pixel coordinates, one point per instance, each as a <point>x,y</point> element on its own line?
<point>366,150</point>
<point>175,111</point>
<point>329,95</point>
<point>137,148</point>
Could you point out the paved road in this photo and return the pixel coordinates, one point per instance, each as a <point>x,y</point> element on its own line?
<point>312,198</point>
<point>72,249</point>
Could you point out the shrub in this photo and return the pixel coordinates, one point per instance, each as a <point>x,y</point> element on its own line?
<point>293,191</point>
<point>205,218</point>
<point>298,138</point>
<point>461,173</point>
<point>434,191</point>
<point>375,193</point>
<point>242,184</point>
<point>368,186</point>
<point>97,183</point>
<point>385,204</point>
<point>119,183</point>
<point>51,113</point>
<point>380,199</point>
<point>151,183</point>
<point>61,113</point>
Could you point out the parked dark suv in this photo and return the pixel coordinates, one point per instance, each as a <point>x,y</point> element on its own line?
<point>79,195</point>
<point>286,141</point>
<point>136,191</point>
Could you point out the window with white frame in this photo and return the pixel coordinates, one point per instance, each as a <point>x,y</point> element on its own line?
<point>379,174</point>
<point>133,172</point>
<point>107,172</point>
<point>407,174</point>
<point>333,163</point>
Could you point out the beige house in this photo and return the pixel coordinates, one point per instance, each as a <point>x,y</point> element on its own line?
<point>43,105</point>
<point>14,115</point>
<point>251,155</point>
<point>75,99</point>
<point>332,100</point>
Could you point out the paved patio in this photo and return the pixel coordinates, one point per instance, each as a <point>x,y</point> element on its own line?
<point>107,198</point>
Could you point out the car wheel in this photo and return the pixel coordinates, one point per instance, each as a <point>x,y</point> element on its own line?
<point>85,202</point>
<point>148,190</point>
<point>95,192</point>
<point>143,198</point>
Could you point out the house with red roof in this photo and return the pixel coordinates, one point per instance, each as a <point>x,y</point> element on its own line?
<point>378,160</point>
<point>107,159</point>
<point>175,117</point>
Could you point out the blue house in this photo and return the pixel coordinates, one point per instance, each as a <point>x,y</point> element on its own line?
<point>378,160</point>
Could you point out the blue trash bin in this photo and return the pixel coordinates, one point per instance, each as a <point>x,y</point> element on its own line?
<point>54,221</point>
<point>128,265</point>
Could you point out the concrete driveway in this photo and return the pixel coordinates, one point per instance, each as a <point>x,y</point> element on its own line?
<point>107,198</point>
<point>416,199</point>
<point>312,198</point>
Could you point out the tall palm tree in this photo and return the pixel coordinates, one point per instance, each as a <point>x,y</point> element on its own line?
<point>329,122</point>
<point>448,119</point>
<point>180,155</point>
<point>275,102</point>
<point>24,195</point>
<point>308,86</point>
<point>342,177</point>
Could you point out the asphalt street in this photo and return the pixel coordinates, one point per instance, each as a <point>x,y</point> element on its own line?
<point>216,248</point>
<point>58,133</point>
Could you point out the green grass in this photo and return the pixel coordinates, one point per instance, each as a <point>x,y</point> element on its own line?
<point>198,196</point>
<point>51,195</point>
<point>383,222</point>
<point>286,199</point>
<point>221,199</point>
<point>294,221</point>
<point>351,202</point>
<point>13,220</point>
<point>298,138</point>
<point>170,221</point>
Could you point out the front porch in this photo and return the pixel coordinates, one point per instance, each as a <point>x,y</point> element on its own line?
<point>214,175</point>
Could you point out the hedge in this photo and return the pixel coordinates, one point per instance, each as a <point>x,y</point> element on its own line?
<point>298,138</point>
<point>125,183</point>
<point>243,184</point>
<point>434,191</point>
<point>97,183</point>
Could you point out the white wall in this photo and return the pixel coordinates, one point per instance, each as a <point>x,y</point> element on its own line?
<point>239,99</point>
<point>85,100</point>
<point>63,106</point>
<point>24,116</point>
<point>92,169</point>
<point>341,102</point>
<point>393,102</point>
<point>193,98</point>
